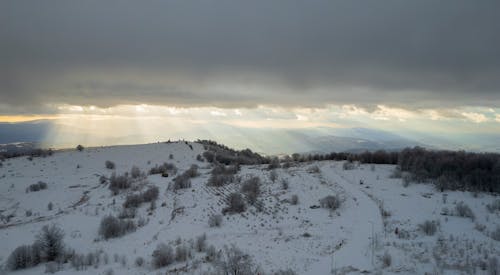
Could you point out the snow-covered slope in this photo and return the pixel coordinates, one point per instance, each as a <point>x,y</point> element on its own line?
<point>379,217</point>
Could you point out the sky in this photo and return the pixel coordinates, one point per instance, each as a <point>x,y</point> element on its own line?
<point>427,70</point>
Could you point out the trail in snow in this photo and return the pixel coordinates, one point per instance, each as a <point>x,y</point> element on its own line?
<point>364,215</point>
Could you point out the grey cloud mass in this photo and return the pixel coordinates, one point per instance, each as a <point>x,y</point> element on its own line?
<point>245,53</point>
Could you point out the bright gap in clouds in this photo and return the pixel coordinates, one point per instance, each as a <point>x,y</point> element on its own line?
<point>261,128</point>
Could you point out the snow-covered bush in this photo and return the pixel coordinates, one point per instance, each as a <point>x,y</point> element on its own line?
<point>219,180</point>
<point>181,253</point>
<point>181,182</point>
<point>117,183</point>
<point>284,184</point>
<point>164,168</point>
<point>234,261</point>
<point>135,200</point>
<point>235,204</point>
<point>109,164</point>
<point>348,165</point>
<point>139,261</point>
<point>201,243</point>
<point>251,188</point>
<point>429,227</point>
<point>215,220</point>
<point>127,213</point>
<point>314,169</point>
<point>192,172</point>
<point>330,202</point>
<point>50,206</point>
<point>135,172</point>
<point>200,158</point>
<point>494,206</point>
<point>211,254</point>
<point>112,227</point>
<point>463,210</point>
<point>386,259</point>
<point>163,255</point>
<point>273,176</point>
<point>294,200</point>
<point>151,194</point>
<point>495,234</point>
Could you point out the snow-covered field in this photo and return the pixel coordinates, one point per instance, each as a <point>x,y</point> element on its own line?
<point>376,228</point>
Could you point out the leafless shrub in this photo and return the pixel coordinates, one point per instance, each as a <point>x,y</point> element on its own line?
<point>220,180</point>
<point>192,172</point>
<point>235,204</point>
<point>234,261</point>
<point>164,168</point>
<point>22,257</point>
<point>429,227</point>
<point>50,206</point>
<point>314,169</point>
<point>139,261</point>
<point>200,158</point>
<point>37,187</point>
<point>135,200</point>
<point>494,206</point>
<point>103,179</point>
<point>211,254</point>
<point>135,172</point>
<point>215,220</point>
<point>127,213</point>
<point>330,202</point>
<point>163,255</point>
<point>495,234</point>
<point>50,242</point>
<point>348,165</point>
<point>201,243</point>
<point>294,200</point>
<point>463,210</point>
<point>386,259</point>
<point>181,253</point>
<point>112,227</point>
<point>117,183</point>
<point>273,176</point>
<point>109,164</point>
<point>493,266</point>
<point>251,188</point>
<point>181,182</point>
<point>284,184</point>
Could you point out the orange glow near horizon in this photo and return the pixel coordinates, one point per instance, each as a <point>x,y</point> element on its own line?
<point>27,118</point>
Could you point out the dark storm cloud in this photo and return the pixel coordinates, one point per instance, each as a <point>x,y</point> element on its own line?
<point>244,53</point>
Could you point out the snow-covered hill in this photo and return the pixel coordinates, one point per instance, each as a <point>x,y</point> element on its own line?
<point>379,226</point>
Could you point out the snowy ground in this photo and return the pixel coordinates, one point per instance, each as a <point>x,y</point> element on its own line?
<point>380,216</point>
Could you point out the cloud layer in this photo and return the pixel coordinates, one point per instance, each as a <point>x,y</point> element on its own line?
<point>418,54</point>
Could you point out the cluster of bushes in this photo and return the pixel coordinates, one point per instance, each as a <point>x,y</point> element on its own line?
<point>165,255</point>
<point>164,169</point>
<point>35,187</point>
<point>48,246</point>
<point>222,174</point>
<point>330,202</point>
<point>30,152</point>
<point>119,182</point>
<point>112,227</point>
<point>184,180</point>
<point>220,153</point>
<point>135,200</point>
<point>251,188</point>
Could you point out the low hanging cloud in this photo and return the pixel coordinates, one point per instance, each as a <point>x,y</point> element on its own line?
<point>232,54</point>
